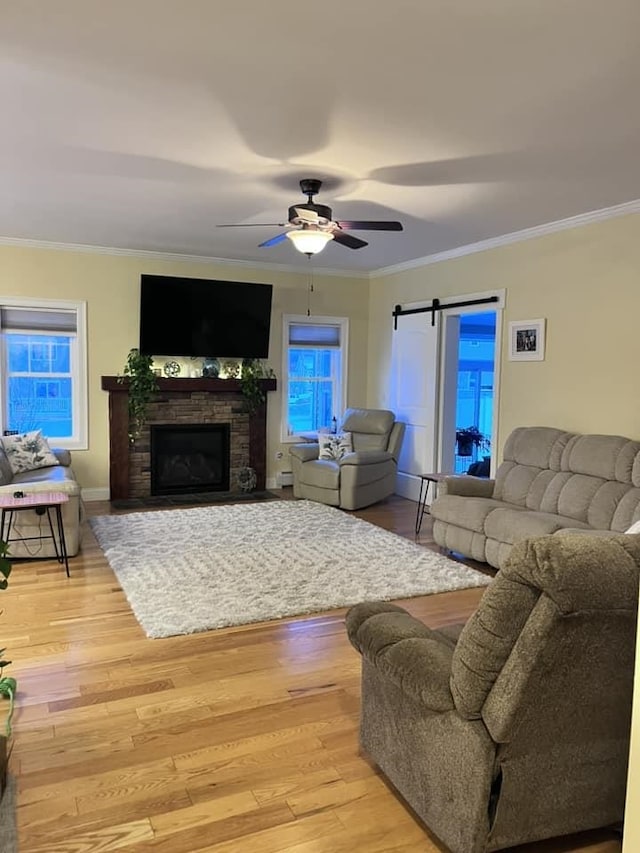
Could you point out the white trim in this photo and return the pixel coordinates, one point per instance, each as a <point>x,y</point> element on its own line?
<point>513,237</point>
<point>30,302</point>
<point>408,486</point>
<point>498,307</point>
<point>284,478</point>
<point>79,371</point>
<point>313,320</point>
<point>497,380</point>
<point>148,255</point>
<point>271,484</point>
<point>81,407</point>
<point>89,495</point>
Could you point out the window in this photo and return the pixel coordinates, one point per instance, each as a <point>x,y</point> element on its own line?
<point>44,369</point>
<point>315,369</point>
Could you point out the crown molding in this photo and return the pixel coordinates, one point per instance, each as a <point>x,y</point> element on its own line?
<point>514,237</point>
<point>25,243</point>
<point>577,221</point>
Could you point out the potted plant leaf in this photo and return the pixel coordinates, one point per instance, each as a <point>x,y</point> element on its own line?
<point>143,384</point>
<point>253,370</point>
<point>469,437</point>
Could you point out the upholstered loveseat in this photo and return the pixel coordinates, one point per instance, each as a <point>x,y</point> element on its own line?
<point>517,728</point>
<point>27,523</point>
<point>550,481</point>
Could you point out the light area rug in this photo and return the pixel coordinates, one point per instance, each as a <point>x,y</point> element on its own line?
<point>189,570</point>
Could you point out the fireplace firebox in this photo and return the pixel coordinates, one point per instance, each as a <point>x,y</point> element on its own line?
<point>189,458</point>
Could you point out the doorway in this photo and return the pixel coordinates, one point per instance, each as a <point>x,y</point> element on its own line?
<point>444,380</point>
<point>474,394</point>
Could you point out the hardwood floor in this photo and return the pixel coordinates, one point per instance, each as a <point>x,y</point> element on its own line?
<point>243,739</point>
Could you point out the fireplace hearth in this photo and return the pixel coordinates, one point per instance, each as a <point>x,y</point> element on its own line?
<point>189,458</point>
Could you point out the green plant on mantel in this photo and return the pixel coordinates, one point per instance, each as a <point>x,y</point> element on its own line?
<point>143,384</point>
<point>7,684</point>
<point>253,370</point>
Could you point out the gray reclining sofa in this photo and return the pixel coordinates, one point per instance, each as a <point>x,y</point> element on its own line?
<point>517,728</point>
<point>550,481</point>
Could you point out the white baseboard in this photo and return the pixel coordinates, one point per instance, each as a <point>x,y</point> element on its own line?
<point>408,486</point>
<point>284,478</point>
<point>103,494</point>
<point>271,483</point>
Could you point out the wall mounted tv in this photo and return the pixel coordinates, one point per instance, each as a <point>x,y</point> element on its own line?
<point>203,317</point>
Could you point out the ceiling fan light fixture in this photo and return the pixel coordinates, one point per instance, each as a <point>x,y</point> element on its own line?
<point>308,241</point>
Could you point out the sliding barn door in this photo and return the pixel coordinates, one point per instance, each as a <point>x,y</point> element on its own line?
<point>414,377</point>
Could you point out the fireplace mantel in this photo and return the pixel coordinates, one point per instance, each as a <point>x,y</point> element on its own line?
<point>119,445</point>
<point>117,384</point>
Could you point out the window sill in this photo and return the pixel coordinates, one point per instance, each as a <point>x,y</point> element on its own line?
<point>304,437</point>
<point>68,443</point>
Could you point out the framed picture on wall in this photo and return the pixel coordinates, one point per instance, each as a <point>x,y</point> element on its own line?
<point>526,340</point>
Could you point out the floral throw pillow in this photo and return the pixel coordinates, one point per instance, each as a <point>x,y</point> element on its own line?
<point>28,451</point>
<point>334,445</point>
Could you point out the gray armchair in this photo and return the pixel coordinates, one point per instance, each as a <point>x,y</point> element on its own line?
<point>519,729</point>
<point>360,478</point>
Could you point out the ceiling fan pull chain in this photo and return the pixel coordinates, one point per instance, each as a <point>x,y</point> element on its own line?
<point>309,287</point>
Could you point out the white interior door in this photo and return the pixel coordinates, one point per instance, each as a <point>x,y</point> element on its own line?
<point>424,370</point>
<point>414,378</point>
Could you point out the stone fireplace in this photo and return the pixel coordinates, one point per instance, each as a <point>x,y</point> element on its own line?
<point>189,403</point>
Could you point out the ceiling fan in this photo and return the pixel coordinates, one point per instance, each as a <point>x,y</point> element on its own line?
<point>313,225</point>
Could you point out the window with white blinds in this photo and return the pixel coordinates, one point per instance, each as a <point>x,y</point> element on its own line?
<point>43,368</point>
<point>314,371</point>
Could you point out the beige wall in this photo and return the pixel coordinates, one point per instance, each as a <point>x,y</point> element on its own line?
<point>111,285</point>
<point>586,282</point>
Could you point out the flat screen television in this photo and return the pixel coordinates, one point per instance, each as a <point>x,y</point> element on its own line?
<point>204,317</point>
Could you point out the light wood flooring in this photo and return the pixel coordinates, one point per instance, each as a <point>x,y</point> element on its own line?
<point>233,741</point>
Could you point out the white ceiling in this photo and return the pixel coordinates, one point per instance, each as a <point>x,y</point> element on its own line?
<point>143,124</point>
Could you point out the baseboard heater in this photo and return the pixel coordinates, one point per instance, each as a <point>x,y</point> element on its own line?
<point>284,478</point>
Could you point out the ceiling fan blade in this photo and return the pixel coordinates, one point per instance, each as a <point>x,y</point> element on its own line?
<point>348,240</point>
<point>273,241</point>
<point>255,225</point>
<point>363,225</point>
<point>307,215</point>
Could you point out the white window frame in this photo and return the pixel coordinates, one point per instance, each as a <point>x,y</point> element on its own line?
<point>79,440</point>
<point>303,319</point>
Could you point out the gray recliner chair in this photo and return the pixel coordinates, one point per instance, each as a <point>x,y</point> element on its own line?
<point>360,478</point>
<point>518,730</point>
